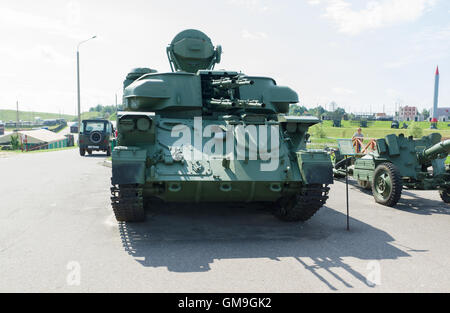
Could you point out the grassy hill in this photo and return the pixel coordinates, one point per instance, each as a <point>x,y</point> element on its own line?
<point>10,115</point>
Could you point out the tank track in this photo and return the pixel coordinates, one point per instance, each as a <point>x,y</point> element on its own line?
<point>128,203</point>
<point>304,205</point>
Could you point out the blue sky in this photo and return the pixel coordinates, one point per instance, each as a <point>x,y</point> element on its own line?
<point>361,54</point>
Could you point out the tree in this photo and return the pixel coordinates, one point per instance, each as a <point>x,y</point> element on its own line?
<point>318,111</point>
<point>297,110</point>
<point>426,114</point>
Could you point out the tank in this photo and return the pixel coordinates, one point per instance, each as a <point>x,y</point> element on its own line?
<point>204,136</point>
<point>399,162</point>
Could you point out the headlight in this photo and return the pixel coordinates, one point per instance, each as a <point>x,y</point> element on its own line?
<point>143,124</point>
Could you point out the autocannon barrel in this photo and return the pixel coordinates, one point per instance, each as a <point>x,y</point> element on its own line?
<point>440,149</point>
<point>230,83</point>
<point>226,103</point>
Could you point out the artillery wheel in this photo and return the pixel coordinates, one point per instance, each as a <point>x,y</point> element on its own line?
<point>82,152</point>
<point>445,195</point>
<point>128,203</point>
<point>303,206</point>
<point>365,184</point>
<point>387,184</point>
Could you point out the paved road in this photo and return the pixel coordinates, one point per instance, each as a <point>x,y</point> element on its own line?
<point>57,229</point>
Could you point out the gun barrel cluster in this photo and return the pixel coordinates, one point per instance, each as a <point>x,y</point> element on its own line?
<point>231,83</point>
<point>236,103</point>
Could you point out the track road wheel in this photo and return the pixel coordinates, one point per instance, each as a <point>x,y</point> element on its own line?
<point>387,184</point>
<point>445,195</point>
<point>303,206</point>
<point>128,203</point>
<point>82,152</point>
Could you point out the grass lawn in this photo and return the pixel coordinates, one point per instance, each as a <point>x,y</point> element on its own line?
<point>378,129</point>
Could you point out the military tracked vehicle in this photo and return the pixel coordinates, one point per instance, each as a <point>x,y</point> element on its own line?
<point>200,135</point>
<point>400,162</point>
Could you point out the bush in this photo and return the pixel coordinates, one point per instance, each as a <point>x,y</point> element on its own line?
<point>15,143</point>
<point>415,130</point>
<point>319,132</point>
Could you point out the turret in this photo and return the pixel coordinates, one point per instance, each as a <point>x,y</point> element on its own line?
<point>135,74</point>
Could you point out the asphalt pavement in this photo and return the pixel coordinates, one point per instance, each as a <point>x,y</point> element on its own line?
<point>58,234</point>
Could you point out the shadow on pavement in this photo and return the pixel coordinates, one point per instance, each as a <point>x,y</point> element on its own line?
<point>421,206</point>
<point>417,205</point>
<point>189,239</point>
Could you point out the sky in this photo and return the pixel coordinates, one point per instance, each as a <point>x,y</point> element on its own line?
<point>367,56</point>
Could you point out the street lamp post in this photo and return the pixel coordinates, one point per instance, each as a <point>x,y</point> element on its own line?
<point>78,80</point>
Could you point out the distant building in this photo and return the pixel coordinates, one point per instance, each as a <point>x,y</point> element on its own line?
<point>408,113</point>
<point>39,139</point>
<point>443,114</point>
<point>383,117</point>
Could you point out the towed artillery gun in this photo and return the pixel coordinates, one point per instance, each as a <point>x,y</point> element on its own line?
<point>399,162</point>
<point>237,144</point>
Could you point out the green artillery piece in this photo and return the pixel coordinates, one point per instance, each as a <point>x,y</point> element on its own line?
<point>395,125</point>
<point>363,123</point>
<point>337,123</point>
<point>399,162</point>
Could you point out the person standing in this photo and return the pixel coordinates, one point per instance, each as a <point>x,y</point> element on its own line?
<point>358,139</point>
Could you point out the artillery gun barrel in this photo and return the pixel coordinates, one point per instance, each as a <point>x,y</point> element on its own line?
<point>436,151</point>
<point>230,83</point>
<point>226,103</point>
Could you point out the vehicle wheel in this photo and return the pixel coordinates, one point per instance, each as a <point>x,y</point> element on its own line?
<point>303,206</point>
<point>82,152</point>
<point>387,184</point>
<point>128,203</point>
<point>108,152</point>
<point>364,184</point>
<point>445,195</point>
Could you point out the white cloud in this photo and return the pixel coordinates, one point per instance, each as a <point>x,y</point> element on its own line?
<point>314,2</point>
<point>21,19</point>
<point>39,53</point>
<point>376,14</point>
<point>432,43</point>
<point>343,91</point>
<point>259,5</point>
<point>253,35</point>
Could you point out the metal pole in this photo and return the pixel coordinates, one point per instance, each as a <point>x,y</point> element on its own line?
<point>17,114</point>
<point>78,82</point>
<point>346,185</point>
